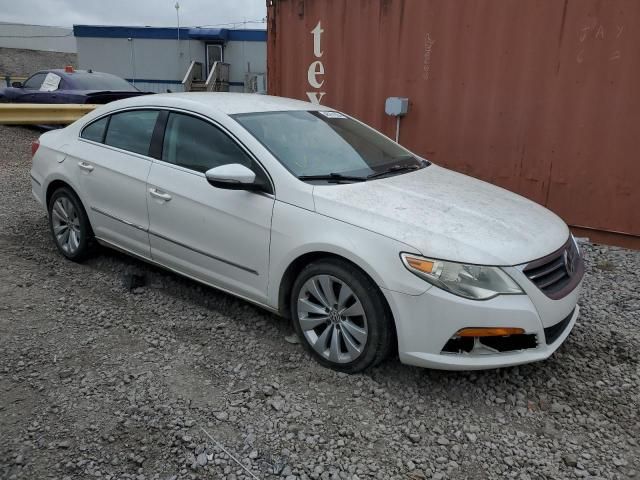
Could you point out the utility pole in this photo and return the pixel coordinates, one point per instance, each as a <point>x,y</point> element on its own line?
<point>177,7</point>
<point>133,61</point>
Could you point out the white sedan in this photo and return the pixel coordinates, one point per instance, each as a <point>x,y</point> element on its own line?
<point>315,216</point>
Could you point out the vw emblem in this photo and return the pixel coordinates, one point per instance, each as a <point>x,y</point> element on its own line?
<point>568,262</point>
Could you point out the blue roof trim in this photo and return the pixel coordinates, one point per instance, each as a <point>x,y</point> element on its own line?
<point>224,35</point>
<point>219,34</point>
<point>212,34</point>
<point>247,35</point>
<point>102,31</point>
<point>153,80</point>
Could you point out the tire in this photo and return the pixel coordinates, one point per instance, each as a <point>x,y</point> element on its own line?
<point>334,336</point>
<point>65,208</point>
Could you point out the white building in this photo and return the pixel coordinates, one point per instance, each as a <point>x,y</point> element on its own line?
<point>37,37</point>
<point>157,59</point>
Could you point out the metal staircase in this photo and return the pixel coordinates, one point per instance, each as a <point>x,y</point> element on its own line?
<point>217,81</point>
<point>198,86</point>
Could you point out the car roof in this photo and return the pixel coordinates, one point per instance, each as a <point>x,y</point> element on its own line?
<point>63,73</point>
<point>227,103</point>
<point>71,76</point>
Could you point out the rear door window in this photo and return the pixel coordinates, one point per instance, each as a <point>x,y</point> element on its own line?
<point>132,130</point>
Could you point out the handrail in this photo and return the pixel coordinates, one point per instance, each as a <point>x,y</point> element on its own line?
<point>42,113</point>
<point>194,72</point>
<point>219,73</point>
<point>211,76</point>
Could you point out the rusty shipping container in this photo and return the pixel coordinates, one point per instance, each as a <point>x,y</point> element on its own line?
<point>541,97</point>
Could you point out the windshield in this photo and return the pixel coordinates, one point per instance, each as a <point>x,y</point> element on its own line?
<point>100,81</point>
<point>326,143</point>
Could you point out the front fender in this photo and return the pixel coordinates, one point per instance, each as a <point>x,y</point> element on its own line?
<point>296,231</point>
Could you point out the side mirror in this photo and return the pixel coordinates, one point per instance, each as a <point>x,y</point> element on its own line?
<point>16,84</point>
<point>233,176</point>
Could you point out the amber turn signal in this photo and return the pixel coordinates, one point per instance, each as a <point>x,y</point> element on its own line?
<point>489,332</point>
<point>420,264</point>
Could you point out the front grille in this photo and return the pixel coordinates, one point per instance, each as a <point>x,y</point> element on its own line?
<point>552,333</point>
<point>557,274</point>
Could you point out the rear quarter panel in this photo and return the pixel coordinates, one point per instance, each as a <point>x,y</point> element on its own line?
<point>49,164</point>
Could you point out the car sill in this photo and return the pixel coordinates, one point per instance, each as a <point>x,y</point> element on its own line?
<point>109,244</point>
<point>200,252</point>
<point>97,210</point>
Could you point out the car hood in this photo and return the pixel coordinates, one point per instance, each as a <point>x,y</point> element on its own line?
<point>447,215</point>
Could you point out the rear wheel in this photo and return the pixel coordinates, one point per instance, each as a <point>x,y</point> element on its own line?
<point>340,316</point>
<point>70,225</point>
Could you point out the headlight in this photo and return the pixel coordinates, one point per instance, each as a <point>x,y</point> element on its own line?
<point>476,282</point>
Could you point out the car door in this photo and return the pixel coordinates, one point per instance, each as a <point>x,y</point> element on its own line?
<point>215,235</point>
<point>112,158</point>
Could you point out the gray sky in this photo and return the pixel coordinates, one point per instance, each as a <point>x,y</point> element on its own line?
<point>134,12</point>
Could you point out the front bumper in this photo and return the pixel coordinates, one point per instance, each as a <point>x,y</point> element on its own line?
<point>425,323</point>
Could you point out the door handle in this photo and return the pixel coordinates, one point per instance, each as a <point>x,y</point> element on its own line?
<point>158,194</point>
<point>86,166</point>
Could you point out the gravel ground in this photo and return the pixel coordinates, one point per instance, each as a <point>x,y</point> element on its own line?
<point>22,63</point>
<point>97,381</point>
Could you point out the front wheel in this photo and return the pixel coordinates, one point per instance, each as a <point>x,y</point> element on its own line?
<point>340,316</point>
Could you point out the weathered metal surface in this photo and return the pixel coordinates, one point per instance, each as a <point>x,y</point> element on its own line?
<point>538,96</point>
<point>42,114</point>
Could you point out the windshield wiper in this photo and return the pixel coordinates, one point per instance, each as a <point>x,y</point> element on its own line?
<point>335,177</point>
<point>394,169</point>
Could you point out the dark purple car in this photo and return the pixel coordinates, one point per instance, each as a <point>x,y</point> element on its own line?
<point>69,86</point>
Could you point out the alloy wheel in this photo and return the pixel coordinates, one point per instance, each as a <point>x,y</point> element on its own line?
<point>332,318</point>
<point>66,225</point>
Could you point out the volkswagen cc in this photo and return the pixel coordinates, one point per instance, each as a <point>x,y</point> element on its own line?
<point>313,215</point>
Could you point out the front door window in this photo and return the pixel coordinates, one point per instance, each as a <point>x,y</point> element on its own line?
<point>35,81</point>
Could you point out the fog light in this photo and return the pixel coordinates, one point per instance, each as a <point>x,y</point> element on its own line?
<point>489,332</point>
